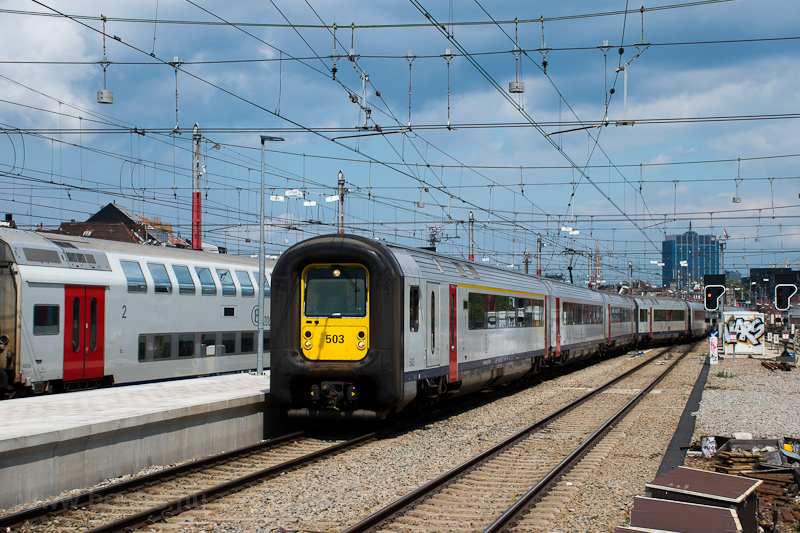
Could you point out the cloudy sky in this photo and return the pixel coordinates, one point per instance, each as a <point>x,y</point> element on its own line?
<point>712,94</point>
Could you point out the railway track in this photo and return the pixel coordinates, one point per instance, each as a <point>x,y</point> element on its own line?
<point>162,495</point>
<point>493,491</point>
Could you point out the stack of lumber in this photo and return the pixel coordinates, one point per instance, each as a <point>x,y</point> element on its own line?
<point>778,492</point>
<point>786,367</point>
<point>735,462</point>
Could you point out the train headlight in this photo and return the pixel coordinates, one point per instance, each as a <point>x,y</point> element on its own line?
<point>361,345</point>
<point>307,344</point>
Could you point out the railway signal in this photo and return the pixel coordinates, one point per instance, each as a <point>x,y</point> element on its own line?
<point>713,290</point>
<point>785,288</point>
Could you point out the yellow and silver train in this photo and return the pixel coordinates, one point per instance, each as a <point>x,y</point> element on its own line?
<point>364,329</point>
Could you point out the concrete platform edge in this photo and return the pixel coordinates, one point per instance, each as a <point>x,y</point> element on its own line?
<point>44,464</point>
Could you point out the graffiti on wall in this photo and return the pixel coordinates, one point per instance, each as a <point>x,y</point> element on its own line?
<point>744,330</point>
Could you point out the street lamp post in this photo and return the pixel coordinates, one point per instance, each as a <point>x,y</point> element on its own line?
<point>262,276</point>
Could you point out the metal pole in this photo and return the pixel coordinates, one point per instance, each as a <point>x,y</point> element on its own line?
<point>630,276</point>
<point>341,203</point>
<point>625,104</point>
<point>262,275</point>
<point>471,237</point>
<point>197,213</point>
<point>538,254</point>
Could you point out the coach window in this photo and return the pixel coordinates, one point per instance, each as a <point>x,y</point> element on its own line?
<point>161,282</point>
<point>208,340</point>
<point>229,343</point>
<point>45,319</point>
<point>209,288</point>
<point>244,281</point>
<point>186,345</point>
<point>76,324</point>
<point>266,340</point>
<point>162,347</point>
<point>184,277</point>
<point>248,342</point>
<point>228,287</point>
<point>537,312</point>
<point>93,324</point>
<point>133,272</point>
<point>413,308</point>
<point>142,348</point>
<point>477,310</point>
<point>491,311</point>
<point>433,320</point>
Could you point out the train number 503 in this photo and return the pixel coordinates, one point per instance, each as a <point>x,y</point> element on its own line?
<point>335,339</point>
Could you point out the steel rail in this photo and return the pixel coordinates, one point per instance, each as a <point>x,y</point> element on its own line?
<point>397,507</point>
<point>509,519</point>
<point>95,495</point>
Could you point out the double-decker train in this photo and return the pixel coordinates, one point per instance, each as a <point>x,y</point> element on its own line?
<point>79,312</point>
<point>364,329</point>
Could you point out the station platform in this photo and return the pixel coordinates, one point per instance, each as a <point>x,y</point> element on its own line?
<point>59,442</point>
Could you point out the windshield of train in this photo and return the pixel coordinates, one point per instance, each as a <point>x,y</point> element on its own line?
<point>336,291</point>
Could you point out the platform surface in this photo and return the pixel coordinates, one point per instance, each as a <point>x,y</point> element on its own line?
<point>59,442</point>
<point>40,415</point>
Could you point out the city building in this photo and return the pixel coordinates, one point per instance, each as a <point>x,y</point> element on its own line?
<point>688,257</point>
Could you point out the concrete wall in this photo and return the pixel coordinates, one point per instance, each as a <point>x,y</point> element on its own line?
<point>39,466</point>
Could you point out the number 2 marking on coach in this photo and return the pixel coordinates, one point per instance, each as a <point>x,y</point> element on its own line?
<point>124,311</point>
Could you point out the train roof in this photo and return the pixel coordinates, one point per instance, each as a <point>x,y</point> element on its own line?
<point>55,249</point>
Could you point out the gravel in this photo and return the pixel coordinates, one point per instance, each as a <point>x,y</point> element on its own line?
<point>332,495</point>
<point>743,396</point>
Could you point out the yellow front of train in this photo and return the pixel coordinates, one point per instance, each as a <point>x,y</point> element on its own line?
<point>334,324</point>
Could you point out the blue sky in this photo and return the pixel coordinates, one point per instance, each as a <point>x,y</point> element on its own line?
<point>650,179</point>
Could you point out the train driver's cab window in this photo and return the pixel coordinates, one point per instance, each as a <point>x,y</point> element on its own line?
<point>209,288</point>
<point>244,282</point>
<point>161,281</point>
<point>135,276</point>
<point>413,308</point>
<point>184,277</point>
<point>336,291</point>
<point>45,319</point>
<point>225,278</point>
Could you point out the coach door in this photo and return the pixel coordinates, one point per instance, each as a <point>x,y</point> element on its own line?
<point>558,327</point>
<point>434,326</point>
<point>453,334</point>
<point>84,316</point>
<point>650,319</point>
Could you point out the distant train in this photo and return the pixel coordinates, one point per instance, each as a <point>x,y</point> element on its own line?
<point>364,329</point>
<point>78,313</point>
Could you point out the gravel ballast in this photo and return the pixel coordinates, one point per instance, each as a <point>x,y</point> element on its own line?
<point>743,396</point>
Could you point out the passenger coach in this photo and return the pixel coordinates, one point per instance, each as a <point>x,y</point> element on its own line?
<point>364,329</point>
<point>78,313</point>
